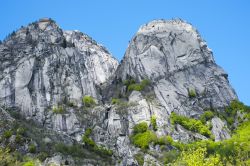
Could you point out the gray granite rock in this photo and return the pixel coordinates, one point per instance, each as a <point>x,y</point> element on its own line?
<point>219,129</point>
<point>43,66</point>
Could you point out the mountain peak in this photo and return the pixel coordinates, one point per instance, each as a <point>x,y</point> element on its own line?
<point>70,85</point>
<point>161,25</point>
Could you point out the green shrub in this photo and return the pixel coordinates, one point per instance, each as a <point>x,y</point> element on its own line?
<point>129,82</point>
<point>136,87</point>
<point>139,158</point>
<point>92,145</point>
<point>153,122</point>
<point>206,116</point>
<point>142,140</point>
<point>132,85</point>
<point>198,157</point>
<point>88,101</point>
<point>115,101</point>
<point>164,140</point>
<point>21,131</point>
<point>191,93</point>
<point>29,163</point>
<point>58,109</point>
<point>88,132</point>
<point>73,150</point>
<point>230,113</point>
<point>7,134</point>
<point>86,140</point>
<point>145,83</point>
<point>238,106</point>
<point>71,104</point>
<point>32,148</point>
<point>103,151</point>
<point>191,124</point>
<point>18,138</point>
<point>42,156</point>
<point>169,156</point>
<point>140,128</point>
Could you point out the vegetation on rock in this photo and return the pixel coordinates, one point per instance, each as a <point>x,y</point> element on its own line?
<point>88,101</point>
<point>132,85</point>
<point>206,116</point>
<point>191,93</point>
<point>59,109</point>
<point>191,124</point>
<point>90,144</point>
<point>153,122</point>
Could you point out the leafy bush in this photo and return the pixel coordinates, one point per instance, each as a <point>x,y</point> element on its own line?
<point>88,101</point>
<point>191,124</point>
<point>140,128</point>
<point>115,101</point>
<point>21,131</point>
<point>103,151</point>
<point>32,148</point>
<point>132,85</point>
<point>191,93</point>
<point>18,138</point>
<point>145,83</point>
<point>73,150</point>
<point>129,82</point>
<point>139,158</point>
<point>142,140</point>
<point>164,140</point>
<point>238,106</point>
<point>136,87</point>
<point>169,156</point>
<point>29,163</point>
<point>58,109</point>
<point>153,122</point>
<point>7,158</point>
<point>71,104</point>
<point>198,157</point>
<point>206,116</point>
<point>42,156</point>
<point>86,140</point>
<point>89,143</point>
<point>7,134</point>
<point>230,113</point>
<point>234,151</point>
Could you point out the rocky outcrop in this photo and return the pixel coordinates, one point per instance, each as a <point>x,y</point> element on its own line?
<point>44,67</point>
<point>174,57</point>
<point>219,130</point>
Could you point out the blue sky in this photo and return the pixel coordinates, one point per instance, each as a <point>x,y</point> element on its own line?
<point>224,24</point>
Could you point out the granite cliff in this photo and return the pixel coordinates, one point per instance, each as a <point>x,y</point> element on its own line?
<point>70,88</point>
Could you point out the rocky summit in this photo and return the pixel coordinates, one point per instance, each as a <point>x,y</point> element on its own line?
<point>65,100</point>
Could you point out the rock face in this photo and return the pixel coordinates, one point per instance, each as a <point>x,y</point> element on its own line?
<point>173,56</point>
<point>44,66</point>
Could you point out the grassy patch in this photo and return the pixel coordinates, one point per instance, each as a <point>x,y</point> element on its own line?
<point>88,101</point>
<point>191,93</point>
<point>59,109</point>
<point>153,122</point>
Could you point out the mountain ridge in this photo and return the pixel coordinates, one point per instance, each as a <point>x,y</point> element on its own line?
<point>72,88</point>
